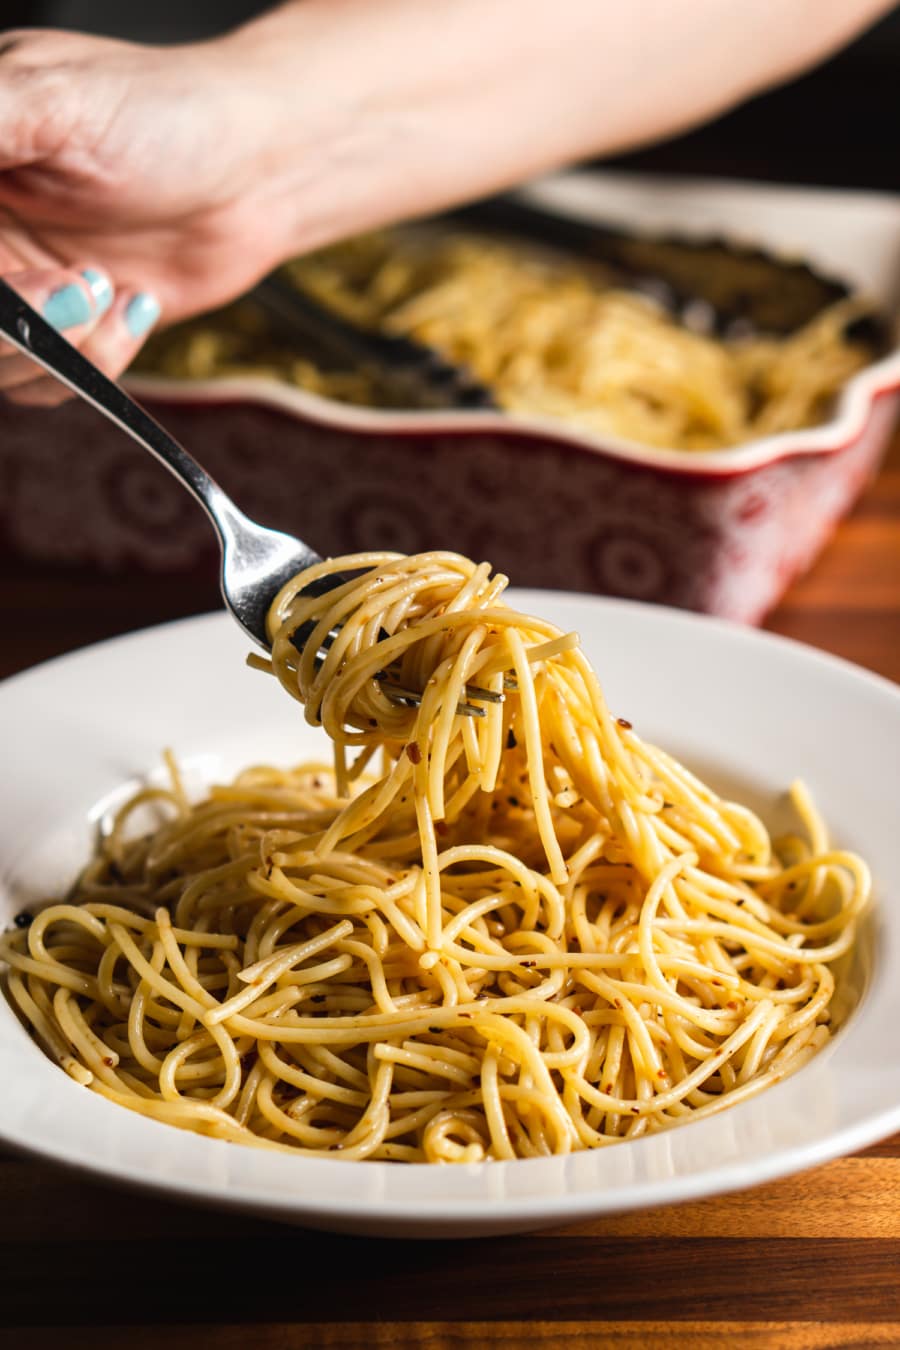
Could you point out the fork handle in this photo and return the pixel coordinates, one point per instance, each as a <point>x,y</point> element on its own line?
<point>25,329</point>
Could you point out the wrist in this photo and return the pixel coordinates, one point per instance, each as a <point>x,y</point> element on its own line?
<point>309,150</point>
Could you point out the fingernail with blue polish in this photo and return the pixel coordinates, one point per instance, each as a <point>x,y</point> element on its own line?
<point>101,289</point>
<point>141,314</point>
<point>67,307</point>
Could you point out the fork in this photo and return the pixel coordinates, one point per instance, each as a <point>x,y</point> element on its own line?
<point>256,561</point>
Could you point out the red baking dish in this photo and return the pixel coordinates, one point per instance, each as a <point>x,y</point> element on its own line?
<point>722,531</point>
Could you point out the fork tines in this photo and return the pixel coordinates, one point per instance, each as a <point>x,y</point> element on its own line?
<point>412,698</point>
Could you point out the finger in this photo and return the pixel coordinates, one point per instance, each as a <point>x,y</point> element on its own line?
<point>116,341</point>
<point>111,346</point>
<point>72,300</point>
<point>35,102</point>
<point>43,392</point>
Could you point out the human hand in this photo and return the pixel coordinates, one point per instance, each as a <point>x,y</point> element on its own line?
<point>131,182</point>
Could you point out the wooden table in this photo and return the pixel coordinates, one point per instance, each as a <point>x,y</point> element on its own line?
<point>811,1261</point>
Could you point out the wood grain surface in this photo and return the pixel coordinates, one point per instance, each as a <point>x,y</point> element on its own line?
<point>807,1263</point>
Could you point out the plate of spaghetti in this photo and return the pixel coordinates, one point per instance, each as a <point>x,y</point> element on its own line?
<point>504,921</point>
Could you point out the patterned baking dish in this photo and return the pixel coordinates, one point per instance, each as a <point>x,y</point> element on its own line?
<point>722,531</point>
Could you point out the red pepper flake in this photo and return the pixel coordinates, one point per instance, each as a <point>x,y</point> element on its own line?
<point>441,827</point>
<point>732,1005</point>
<point>413,753</point>
<point>109,1062</point>
<point>528,965</point>
<point>624,722</point>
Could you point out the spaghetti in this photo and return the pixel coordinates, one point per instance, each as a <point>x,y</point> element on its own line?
<point>550,337</point>
<point>474,937</point>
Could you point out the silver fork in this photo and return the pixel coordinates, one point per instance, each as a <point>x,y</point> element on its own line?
<point>256,561</point>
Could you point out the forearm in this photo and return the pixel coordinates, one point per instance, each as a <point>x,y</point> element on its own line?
<point>384,109</point>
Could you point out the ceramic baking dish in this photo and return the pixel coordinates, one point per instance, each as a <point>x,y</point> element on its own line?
<point>722,531</point>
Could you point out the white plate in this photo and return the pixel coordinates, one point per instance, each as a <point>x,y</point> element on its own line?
<point>749,711</point>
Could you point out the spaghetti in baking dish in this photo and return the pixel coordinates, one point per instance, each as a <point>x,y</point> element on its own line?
<point>499,925</point>
<point>550,338</point>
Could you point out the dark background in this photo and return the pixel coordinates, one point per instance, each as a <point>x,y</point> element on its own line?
<point>836,126</point>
